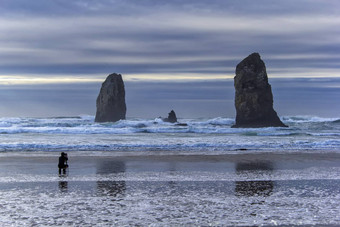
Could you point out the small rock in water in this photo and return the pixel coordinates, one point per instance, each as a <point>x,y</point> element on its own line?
<point>171,118</point>
<point>182,124</point>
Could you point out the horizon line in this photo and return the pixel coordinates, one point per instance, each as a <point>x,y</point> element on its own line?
<point>12,80</point>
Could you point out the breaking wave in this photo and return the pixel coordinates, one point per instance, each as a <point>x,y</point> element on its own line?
<point>86,125</point>
<point>81,133</point>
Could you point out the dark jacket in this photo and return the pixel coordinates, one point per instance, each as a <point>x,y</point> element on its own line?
<point>62,162</point>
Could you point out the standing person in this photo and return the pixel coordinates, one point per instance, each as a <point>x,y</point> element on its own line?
<point>63,163</point>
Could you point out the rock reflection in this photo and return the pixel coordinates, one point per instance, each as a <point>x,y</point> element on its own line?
<point>253,166</point>
<point>63,186</point>
<point>110,166</point>
<point>111,188</point>
<point>254,188</point>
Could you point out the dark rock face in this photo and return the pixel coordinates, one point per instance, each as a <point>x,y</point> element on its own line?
<point>171,118</point>
<point>253,95</point>
<point>111,105</point>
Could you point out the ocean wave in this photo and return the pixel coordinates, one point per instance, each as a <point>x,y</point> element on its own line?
<point>298,125</point>
<point>193,135</point>
<point>218,121</point>
<point>175,146</point>
<point>336,121</point>
<point>307,118</point>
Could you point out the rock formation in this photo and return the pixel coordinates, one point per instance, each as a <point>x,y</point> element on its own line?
<point>171,118</point>
<point>253,95</point>
<point>111,105</point>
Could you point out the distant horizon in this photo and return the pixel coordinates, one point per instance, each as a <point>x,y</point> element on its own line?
<point>134,118</point>
<point>194,99</point>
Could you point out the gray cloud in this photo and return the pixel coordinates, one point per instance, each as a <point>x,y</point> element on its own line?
<point>87,37</point>
<point>80,7</point>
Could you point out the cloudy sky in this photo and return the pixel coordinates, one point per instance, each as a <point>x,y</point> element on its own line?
<point>175,54</point>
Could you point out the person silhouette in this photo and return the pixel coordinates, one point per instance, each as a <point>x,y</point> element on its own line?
<point>63,162</point>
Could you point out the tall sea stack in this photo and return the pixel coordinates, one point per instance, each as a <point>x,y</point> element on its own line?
<point>253,95</point>
<point>111,105</point>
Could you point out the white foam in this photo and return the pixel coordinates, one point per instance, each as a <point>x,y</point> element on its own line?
<point>307,118</point>
<point>82,133</point>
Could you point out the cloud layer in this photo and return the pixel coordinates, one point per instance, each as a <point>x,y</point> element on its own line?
<point>160,38</point>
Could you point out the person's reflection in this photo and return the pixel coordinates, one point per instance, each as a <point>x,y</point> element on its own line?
<point>254,188</point>
<point>111,188</point>
<point>63,186</point>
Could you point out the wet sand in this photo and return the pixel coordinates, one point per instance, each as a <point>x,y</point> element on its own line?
<point>46,163</point>
<point>231,189</point>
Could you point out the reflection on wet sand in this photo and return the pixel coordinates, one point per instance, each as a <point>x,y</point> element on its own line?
<point>110,166</point>
<point>63,186</point>
<point>111,188</point>
<point>249,166</point>
<point>254,188</point>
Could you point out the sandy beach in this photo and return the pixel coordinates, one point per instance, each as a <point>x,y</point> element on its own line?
<point>156,190</point>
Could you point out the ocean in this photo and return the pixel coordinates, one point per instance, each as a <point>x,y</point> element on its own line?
<point>146,172</point>
<point>203,136</point>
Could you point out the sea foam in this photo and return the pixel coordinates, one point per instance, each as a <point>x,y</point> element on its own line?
<point>216,134</point>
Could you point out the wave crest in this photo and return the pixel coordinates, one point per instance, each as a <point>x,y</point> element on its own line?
<point>309,125</point>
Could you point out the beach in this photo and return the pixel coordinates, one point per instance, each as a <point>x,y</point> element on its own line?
<point>146,172</point>
<point>266,188</point>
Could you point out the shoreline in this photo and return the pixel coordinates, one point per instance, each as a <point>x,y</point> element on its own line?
<point>179,156</point>
<point>82,165</point>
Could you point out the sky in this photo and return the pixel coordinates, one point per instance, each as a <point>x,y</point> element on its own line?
<point>178,54</point>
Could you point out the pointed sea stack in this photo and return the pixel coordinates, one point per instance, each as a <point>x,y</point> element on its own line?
<point>111,105</point>
<point>171,117</point>
<point>253,95</point>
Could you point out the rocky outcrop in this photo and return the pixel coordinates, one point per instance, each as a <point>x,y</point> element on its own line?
<point>111,105</point>
<point>171,117</point>
<point>253,95</point>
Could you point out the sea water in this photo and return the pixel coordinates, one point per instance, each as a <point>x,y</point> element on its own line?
<point>208,136</point>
